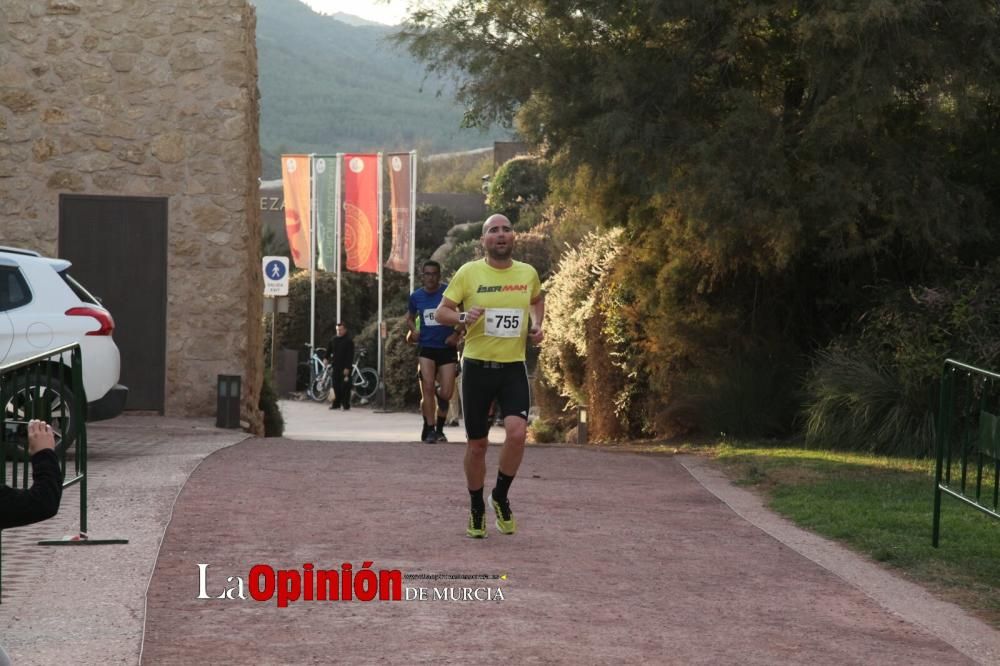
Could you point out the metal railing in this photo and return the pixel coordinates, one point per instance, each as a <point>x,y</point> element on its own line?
<point>968,440</point>
<point>49,387</point>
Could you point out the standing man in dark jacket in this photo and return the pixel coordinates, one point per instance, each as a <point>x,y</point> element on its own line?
<point>342,359</point>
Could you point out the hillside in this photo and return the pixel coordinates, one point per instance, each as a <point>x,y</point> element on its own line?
<point>327,86</point>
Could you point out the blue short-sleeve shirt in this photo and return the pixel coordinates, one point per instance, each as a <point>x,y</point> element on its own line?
<point>423,305</point>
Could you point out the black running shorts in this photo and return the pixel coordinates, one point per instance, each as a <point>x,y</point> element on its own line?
<point>485,381</point>
<point>439,356</point>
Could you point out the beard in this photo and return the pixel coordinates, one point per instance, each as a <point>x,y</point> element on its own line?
<point>500,253</point>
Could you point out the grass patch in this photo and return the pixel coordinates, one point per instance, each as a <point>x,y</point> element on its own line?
<point>881,507</point>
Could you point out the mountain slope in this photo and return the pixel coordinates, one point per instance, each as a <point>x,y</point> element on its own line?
<point>327,86</point>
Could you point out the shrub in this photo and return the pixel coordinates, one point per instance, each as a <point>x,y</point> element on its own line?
<point>603,382</point>
<point>856,404</point>
<point>461,233</point>
<point>537,249</point>
<point>520,181</point>
<point>550,403</point>
<point>750,395</point>
<point>399,367</point>
<point>876,390</point>
<point>569,301</point>
<point>274,422</point>
<point>459,254</point>
<point>359,305</point>
<point>530,216</point>
<point>432,226</point>
<point>544,432</point>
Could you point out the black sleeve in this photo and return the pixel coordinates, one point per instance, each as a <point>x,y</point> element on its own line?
<point>40,502</point>
<point>349,361</point>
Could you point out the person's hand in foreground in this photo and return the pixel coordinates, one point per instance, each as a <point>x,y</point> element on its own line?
<point>40,436</point>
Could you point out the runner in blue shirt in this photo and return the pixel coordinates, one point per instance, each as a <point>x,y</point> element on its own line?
<point>437,352</point>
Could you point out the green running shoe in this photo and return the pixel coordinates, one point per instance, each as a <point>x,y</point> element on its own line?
<point>505,519</point>
<point>477,526</point>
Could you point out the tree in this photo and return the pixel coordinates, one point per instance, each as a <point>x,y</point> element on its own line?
<point>769,159</point>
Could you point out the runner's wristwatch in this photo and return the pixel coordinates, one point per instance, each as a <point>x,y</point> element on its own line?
<point>461,317</point>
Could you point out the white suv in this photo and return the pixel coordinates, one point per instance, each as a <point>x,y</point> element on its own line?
<point>43,308</point>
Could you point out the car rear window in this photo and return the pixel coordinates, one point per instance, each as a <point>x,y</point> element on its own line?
<point>78,289</point>
<point>14,290</point>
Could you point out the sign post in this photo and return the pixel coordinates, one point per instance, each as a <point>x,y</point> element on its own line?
<point>275,276</point>
<point>275,285</point>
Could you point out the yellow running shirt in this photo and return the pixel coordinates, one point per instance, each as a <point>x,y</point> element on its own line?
<point>501,333</point>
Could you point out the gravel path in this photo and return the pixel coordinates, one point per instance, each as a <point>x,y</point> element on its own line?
<point>620,558</point>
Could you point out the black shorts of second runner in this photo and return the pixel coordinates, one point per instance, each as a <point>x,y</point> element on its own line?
<point>439,356</point>
<point>482,384</point>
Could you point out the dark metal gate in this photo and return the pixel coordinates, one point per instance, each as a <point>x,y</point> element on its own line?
<point>968,441</point>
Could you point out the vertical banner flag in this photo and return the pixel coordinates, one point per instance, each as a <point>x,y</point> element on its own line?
<point>399,186</point>
<point>295,181</point>
<point>324,168</point>
<point>361,178</point>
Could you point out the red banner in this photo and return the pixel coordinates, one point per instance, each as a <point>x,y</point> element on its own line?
<point>361,212</point>
<point>295,181</point>
<point>399,185</point>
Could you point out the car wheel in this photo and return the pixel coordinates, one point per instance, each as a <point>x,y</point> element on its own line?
<point>50,400</point>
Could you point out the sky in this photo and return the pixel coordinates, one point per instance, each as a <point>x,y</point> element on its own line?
<point>390,13</point>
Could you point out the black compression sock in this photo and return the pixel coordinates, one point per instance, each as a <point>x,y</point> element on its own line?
<point>478,503</point>
<point>503,485</point>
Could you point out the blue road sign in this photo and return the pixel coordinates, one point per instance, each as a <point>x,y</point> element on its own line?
<point>275,270</point>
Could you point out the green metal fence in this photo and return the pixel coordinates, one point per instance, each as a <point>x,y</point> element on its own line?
<point>49,387</point>
<point>968,440</point>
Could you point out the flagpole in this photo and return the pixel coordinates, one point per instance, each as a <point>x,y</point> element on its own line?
<point>378,333</point>
<point>413,215</point>
<point>312,254</point>
<point>338,209</point>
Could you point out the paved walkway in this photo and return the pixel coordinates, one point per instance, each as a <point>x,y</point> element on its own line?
<point>85,605</point>
<point>620,559</point>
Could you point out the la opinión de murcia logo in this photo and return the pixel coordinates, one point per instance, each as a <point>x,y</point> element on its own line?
<point>264,583</point>
<point>308,584</point>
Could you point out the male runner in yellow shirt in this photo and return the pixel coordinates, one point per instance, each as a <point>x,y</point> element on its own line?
<point>502,307</point>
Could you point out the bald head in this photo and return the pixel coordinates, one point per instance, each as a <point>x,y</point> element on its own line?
<point>498,240</point>
<point>496,218</point>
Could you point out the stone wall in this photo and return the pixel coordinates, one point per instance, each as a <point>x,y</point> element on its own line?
<point>146,98</point>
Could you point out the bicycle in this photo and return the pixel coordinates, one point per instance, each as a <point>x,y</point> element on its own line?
<point>320,378</point>
<point>364,381</point>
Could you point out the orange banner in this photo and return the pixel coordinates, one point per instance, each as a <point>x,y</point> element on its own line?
<point>399,186</point>
<point>361,212</point>
<point>296,185</point>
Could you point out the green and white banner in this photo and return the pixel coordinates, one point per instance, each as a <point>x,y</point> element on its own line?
<point>325,175</point>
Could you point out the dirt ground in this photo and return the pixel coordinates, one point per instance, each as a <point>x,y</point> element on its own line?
<point>619,558</point>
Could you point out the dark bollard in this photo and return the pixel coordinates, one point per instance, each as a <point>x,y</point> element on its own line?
<point>227,414</point>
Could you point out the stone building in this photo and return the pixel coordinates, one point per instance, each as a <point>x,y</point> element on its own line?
<point>129,145</point>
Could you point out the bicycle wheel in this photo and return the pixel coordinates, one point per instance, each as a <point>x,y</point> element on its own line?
<point>366,384</point>
<point>319,389</point>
